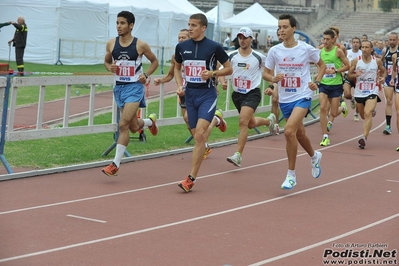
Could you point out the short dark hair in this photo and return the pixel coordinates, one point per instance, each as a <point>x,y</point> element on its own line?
<point>371,43</point>
<point>329,32</point>
<point>356,38</point>
<point>290,17</point>
<point>201,17</point>
<point>128,16</point>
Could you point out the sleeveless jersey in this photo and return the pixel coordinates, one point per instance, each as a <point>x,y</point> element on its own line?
<point>247,74</point>
<point>388,61</point>
<point>294,63</point>
<point>332,62</point>
<point>366,83</point>
<point>129,63</point>
<point>198,56</point>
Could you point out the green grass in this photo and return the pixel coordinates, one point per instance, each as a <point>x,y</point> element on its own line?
<point>41,154</point>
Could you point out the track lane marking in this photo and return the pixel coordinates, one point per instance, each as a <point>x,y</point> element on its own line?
<point>195,218</point>
<point>294,252</point>
<point>86,218</point>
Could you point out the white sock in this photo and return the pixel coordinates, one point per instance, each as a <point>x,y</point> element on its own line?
<point>291,173</point>
<point>325,136</point>
<point>147,122</point>
<point>218,120</point>
<point>120,150</point>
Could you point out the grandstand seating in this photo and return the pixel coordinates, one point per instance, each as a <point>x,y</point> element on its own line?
<point>374,24</point>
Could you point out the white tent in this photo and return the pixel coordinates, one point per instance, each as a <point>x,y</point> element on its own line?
<point>254,17</point>
<point>80,25</point>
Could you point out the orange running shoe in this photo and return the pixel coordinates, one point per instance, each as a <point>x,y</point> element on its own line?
<point>153,128</point>
<point>207,152</point>
<point>187,184</point>
<point>111,170</point>
<point>223,125</point>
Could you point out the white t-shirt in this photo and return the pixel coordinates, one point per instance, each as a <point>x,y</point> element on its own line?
<point>352,55</point>
<point>294,63</point>
<point>366,83</point>
<point>227,42</point>
<point>247,71</point>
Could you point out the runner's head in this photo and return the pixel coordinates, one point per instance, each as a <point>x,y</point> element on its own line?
<point>197,26</point>
<point>287,26</point>
<point>183,35</point>
<point>355,44</point>
<point>245,36</point>
<point>329,38</point>
<point>393,39</point>
<point>125,22</point>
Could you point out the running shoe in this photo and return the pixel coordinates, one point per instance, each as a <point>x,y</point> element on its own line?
<point>316,168</point>
<point>235,159</point>
<point>345,110</point>
<point>111,170</point>
<point>207,152</point>
<point>329,126</point>
<point>289,183</point>
<point>276,129</point>
<point>325,141</point>
<point>153,128</point>
<point>387,130</point>
<point>353,103</point>
<point>272,120</point>
<point>187,184</point>
<point>222,125</point>
<point>373,113</point>
<point>356,117</point>
<point>397,149</point>
<point>362,142</point>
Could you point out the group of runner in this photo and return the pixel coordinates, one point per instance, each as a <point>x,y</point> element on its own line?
<point>199,63</point>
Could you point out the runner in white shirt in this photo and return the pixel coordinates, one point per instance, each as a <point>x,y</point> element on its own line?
<point>353,53</point>
<point>291,60</point>
<point>247,75</point>
<point>365,70</point>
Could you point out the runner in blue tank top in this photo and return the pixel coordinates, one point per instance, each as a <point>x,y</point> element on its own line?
<point>124,58</point>
<point>199,57</point>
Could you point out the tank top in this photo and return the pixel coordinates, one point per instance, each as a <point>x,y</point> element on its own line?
<point>366,83</point>
<point>388,60</point>
<point>332,62</point>
<point>128,61</point>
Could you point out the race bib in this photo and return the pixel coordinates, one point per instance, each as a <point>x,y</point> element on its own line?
<point>389,70</point>
<point>367,86</point>
<point>125,71</point>
<point>291,80</point>
<point>330,66</point>
<point>193,70</point>
<point>242,83</point>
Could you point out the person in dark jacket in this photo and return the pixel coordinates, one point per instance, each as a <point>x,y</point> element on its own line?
<point>19,41</point>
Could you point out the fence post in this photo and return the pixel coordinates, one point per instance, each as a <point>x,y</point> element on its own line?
<point>4,105</point>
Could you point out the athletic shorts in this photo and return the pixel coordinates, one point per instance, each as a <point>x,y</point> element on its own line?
<point>200,103</point>
<point>352,82</point>
<point>287,108</point>
<point>250,99</point>
<point>363,100</point>
<point>129,93</point>
<point>387,80</point>
<point>332,91</point>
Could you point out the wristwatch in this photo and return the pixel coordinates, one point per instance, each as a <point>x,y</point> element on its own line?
<point>213,73</point>
<point>317,83</point>
<point>336,71</point>
<point>145,75</point>
<point>271,86</point>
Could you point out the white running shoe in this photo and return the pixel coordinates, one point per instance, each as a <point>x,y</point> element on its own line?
<point>316,168</point>
<point>289,183</point>
<point>235,159</point>
<point>272,120</point>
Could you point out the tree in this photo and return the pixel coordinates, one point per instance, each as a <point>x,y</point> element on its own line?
<point>387,5</point>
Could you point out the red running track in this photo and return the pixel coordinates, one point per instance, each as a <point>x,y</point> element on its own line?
<point>233,216</point>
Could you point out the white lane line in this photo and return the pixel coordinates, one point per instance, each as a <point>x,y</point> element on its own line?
<point>285,255</point>
<point>193,219</point>
<point>85,218</point>
<point>397,181</point>
<point>171,183</point>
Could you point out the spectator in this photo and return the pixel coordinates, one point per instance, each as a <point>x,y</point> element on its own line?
<point>19,41</point>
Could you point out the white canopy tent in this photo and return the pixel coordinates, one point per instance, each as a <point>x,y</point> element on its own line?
<point>254,17</point>
<point>80,25</point>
